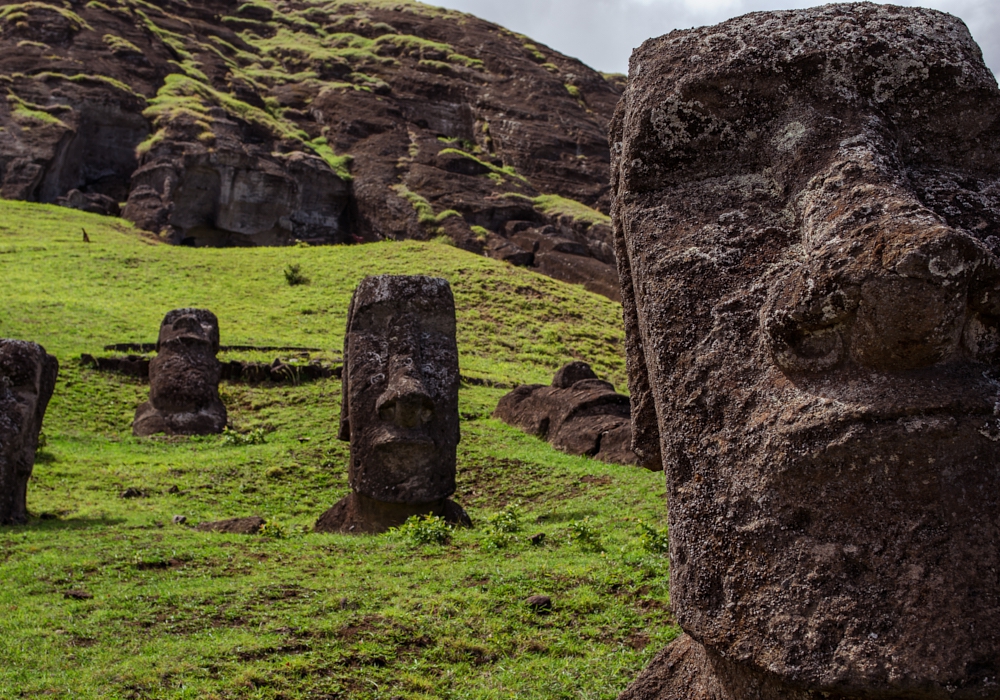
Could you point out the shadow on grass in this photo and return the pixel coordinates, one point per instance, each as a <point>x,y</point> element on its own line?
<point>49,523</point>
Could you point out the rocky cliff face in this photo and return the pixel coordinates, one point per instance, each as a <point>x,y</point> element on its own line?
<point>223,123</point>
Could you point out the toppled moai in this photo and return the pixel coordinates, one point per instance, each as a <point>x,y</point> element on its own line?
<point>400,405</point>
<point>184,378</point>
<point>807,220</point>
<point>27,380</point>
<point>578,413</point>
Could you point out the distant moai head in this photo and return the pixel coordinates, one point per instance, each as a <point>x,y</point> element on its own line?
<point>400,389</point>
<point>807,213</point>
<point>184,378</point>
<point>27,380</point>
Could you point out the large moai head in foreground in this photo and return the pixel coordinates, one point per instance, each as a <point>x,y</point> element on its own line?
<point>27,380</point>
<point>400,403</point>
<point>184,378</point>
<point>807,213</point>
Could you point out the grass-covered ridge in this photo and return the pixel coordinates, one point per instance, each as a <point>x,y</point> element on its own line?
<point>176,613</point>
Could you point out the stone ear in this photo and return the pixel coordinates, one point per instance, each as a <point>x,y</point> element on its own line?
<point>645,428</point>
<point>344,433</point>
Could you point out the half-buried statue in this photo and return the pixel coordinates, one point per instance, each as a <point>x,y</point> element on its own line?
<point>27,380</point>
<point>400,405</point>
<point>807,213</point>
<point>184,378</point>
<point>578,413</point>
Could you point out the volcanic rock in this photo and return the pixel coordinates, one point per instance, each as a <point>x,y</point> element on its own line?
<point>400,405</point>
<point>225,123</point>
<point>184,378</point>
<point>233,526</point>
<point>27,380</point>
<point>578,414</point>
<point>807,212</point>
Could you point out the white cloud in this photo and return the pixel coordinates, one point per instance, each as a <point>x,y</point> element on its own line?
<point>602,33</point>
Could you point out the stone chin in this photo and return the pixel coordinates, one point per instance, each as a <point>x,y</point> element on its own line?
<point>860,519</point>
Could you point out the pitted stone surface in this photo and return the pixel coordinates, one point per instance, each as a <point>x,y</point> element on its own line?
<point>27,380</point>
<point>807,212</point>
<point>578,414</point>
<point>400,403</point>
<point>184,378</point>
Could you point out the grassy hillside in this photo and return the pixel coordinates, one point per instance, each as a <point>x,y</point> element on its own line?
<point>176,613</point>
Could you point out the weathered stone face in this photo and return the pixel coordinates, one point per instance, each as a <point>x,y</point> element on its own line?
<point>579,414</point>
<point>400,387</point>
<point>184,378</point>
<point>807,218</point>
<point>27,380</point>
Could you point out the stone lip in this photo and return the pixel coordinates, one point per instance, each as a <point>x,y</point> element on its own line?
<point>358,515</point>
<point>27,381</point>
<point>805,217</point>
<point>578,414</point>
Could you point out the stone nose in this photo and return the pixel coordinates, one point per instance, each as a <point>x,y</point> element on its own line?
<point>921,297</point>
<point>915,315</point>
<point>406,402</point>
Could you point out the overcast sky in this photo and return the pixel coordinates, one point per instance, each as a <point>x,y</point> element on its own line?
<point>602,33</point>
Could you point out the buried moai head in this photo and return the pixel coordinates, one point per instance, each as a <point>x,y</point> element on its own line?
<point>807,213</point>
<point>400,389</point>
<point>27,380</point>
<point>184,378</point>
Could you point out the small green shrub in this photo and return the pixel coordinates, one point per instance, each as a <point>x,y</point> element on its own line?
<point>294,275</point>
<point>582,533</point>
<point>502,527</point>
<point>421,530</point>
<point>273,529</point>
<point>235,439</point>
<point>653,539</point>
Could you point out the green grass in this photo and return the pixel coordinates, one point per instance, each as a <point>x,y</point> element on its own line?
<point>26,113</point>
<point>425,212</point>
<point>554,205</point>
<point>180,614</point>
<point>507,170</point>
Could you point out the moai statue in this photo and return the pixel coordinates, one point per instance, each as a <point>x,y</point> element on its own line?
<point>807,214</point>
<point>184,378</point>
<point>400,405</point>
<point>27,380</point>
<point>578,413</point>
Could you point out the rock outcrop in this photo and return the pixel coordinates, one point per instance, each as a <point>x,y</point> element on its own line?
<point>229,123</point>
<point>184,378</point>
<point>27,380</point>
<point>579,414</point>
<point>400,405</point>
<point>807,215</point>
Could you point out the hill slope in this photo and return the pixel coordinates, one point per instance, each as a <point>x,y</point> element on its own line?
<point>176,613</point>
<point>222,123</point>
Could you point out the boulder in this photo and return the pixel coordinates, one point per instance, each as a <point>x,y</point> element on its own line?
<point>806,211</point>
<point>234,526</point>
<point>27,380</point>
<point>400,404</point>
<point>578,414</point>
<point>184,378</point>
